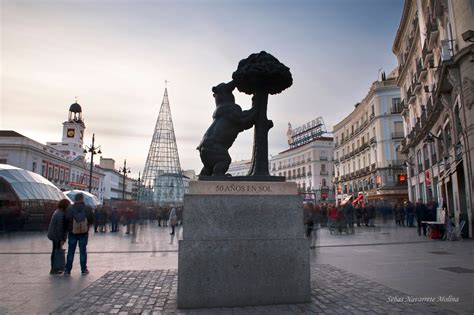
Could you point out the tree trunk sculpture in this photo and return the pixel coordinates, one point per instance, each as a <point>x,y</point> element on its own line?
<point>261,74</point>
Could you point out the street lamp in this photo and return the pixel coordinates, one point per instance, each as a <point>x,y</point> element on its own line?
<point>124,170</point>
<point>430,138</point>
<point>92,150</point>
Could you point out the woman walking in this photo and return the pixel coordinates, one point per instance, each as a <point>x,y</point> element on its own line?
<point>173,219</point>
<point>57,233</point>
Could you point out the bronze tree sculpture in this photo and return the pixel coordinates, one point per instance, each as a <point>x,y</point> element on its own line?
<point>261,74</point>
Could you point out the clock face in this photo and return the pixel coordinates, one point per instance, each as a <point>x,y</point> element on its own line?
<point>70,133</point>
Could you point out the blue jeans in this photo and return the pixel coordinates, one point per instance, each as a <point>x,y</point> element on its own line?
<point>72,243</point>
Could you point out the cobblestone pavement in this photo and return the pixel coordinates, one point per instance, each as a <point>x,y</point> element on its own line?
<point>334,291</point>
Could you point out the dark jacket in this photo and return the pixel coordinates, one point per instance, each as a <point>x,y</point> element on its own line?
<point>78,210</point>
<point>421,211</point>
<point>57,227</point>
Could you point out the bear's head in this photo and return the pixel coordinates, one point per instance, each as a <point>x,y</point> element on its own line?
<point>223,93</point>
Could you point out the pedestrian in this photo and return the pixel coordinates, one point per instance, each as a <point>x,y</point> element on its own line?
<point>114,219</point>
<point>349,213</point>
<point>365,215</point>
<point>308,221</point>
<point>102,220</point>
<point>371,215</point>
<point>324,215</point>
<point>96,219</point>
<point>420,210</point>
<point>332,216</point>
<point>173,219</point>
<point>57,233</point>
<point>358,214</point>
<point>316,219</point>
<point>410,211</point>
<point>79,217</point>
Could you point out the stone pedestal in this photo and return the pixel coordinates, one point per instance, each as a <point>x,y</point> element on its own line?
<point>242,245</point>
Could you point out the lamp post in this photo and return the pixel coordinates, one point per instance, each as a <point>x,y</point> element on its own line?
<point>92,150</point>
<point>124,170</point>
<point>138,190</point>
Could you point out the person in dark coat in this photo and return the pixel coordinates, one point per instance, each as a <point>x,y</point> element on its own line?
<point>410,211</point>
<point>399,212</point>
<point>420,211</point>
<point>358,214</point>
<point>79,217</point>
<point>349,213</point>
<point>57,231</point>
<point>371,215</point>
<point>114,219</point>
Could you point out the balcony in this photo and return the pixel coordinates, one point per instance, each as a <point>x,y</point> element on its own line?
<point>432,33</point>
<point>373,140</point>
<point>309,174</point>
<point>426,54</point>
<point>416,86</point>
<point>372,167</point>
<point>323,173</point>
<point>398,135</point>
<point>421,71</point>
<point>323,158</point>
<point>372,116</point>
<point>411,97</point>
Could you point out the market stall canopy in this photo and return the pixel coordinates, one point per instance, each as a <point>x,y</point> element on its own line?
<point>89,199</point>
<point>28,185</point>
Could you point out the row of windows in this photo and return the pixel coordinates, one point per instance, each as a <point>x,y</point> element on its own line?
<point>299,160</point>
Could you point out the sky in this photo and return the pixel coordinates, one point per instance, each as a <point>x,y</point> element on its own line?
<point>115,56</point>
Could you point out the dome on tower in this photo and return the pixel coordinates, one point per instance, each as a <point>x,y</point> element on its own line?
<point>75,108</point>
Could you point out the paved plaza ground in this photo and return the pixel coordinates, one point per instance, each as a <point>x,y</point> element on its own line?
<point>378,270</point>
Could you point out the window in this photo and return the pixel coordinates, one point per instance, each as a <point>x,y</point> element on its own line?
<point>323,156</point>
<point>447,135</point>
<point>458,121</point>
<point>426,157</point>
<point>3,161</point>
<point>440,144</point>
<point>34,167</point>
<point>419,160</point>
<point>323,167</point>
<point>396,105</point>
<point>323,182</point>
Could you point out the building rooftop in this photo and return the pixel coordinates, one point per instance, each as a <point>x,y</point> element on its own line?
<point>10,133</point>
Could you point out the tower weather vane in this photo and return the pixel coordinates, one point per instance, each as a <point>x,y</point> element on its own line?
<point>259,75</point>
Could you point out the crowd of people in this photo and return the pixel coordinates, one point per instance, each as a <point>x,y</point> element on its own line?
<point>72,223</point>
<point>343,218</point>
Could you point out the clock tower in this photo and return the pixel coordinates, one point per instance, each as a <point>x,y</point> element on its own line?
<point>73,134</point>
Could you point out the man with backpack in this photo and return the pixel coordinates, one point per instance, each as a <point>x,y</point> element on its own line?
<point>78,219</point>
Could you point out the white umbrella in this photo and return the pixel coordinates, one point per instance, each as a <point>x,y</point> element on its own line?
<point>89,199</point>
